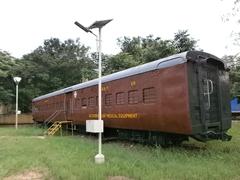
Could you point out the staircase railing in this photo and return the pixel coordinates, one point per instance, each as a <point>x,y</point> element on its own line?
<point>57,125</point>
<point>51,117</point>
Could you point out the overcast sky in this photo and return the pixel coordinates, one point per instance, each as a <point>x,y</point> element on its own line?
<point>25,24</point>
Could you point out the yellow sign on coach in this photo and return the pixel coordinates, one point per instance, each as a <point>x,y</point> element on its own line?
<point>116,116</point>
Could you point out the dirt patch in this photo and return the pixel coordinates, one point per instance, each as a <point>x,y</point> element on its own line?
<point>34,137</point>
<point>27,175</point>
<point>118,178</point>
<point>40,137</point>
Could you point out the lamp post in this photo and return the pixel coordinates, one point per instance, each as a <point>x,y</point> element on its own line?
<point>16,80</point>
<point>99,158</point>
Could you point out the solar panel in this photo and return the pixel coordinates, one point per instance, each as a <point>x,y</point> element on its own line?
<point>99,24</point>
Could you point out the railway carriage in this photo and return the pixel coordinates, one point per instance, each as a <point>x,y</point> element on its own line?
<point>164,101</point>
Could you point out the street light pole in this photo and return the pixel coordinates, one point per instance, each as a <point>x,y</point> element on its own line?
<point>16,80</point>
<point>16,119</point>
<point>99,155</point>
<point>99,158</point>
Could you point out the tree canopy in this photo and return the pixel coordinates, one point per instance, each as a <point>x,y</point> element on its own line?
<point>233,63</point>
<point>140,50</point>
<point>234,59</point>
<point>50,67</point>
<point>6,83</point>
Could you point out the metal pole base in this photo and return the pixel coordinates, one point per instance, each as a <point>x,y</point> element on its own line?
<point>99,159</point>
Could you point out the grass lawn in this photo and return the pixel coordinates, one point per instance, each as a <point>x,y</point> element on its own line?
<point>70,157</point>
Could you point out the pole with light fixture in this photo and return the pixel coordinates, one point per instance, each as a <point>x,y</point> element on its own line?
<point>16,80</point>
<point>99,158</point>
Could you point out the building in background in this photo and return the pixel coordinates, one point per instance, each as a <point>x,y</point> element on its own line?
<point>5,108</point>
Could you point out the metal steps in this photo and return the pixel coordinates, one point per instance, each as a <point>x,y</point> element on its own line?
<point>53,128</point>
<point>56,126</point>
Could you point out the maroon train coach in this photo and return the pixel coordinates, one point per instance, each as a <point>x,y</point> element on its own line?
<point>164,101</point>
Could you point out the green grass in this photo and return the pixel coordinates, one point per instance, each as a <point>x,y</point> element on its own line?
<point>73,157</point>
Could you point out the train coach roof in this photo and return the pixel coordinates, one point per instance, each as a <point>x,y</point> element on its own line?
<point>158,64</point>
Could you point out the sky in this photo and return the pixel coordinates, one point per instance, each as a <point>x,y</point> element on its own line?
<point>26,24</point>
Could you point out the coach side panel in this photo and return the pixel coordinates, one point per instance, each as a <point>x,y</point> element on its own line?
<point>153,101</point>
<point>43,109</point>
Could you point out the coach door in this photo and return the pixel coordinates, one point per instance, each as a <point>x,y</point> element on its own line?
<point>209,93</point>
<point>68,104</point>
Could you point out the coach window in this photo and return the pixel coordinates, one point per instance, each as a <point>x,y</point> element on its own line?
<point>149,95</point>
<point>108,99</point>
<point>91,102</point>
<point>120,98</point>
<point>133,97</point>
<point>84,102</point>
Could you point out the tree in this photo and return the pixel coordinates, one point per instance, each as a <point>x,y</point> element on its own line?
<point>139,50</point>
<point>118,62</point>
<point>233,16</point>
<point>6,82</point>
<point>183,42</point>
<point>146,49</point>
<point>156,48</point>
<point>235,81</point>
<point>233,63</point>
<point>53,66</point>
